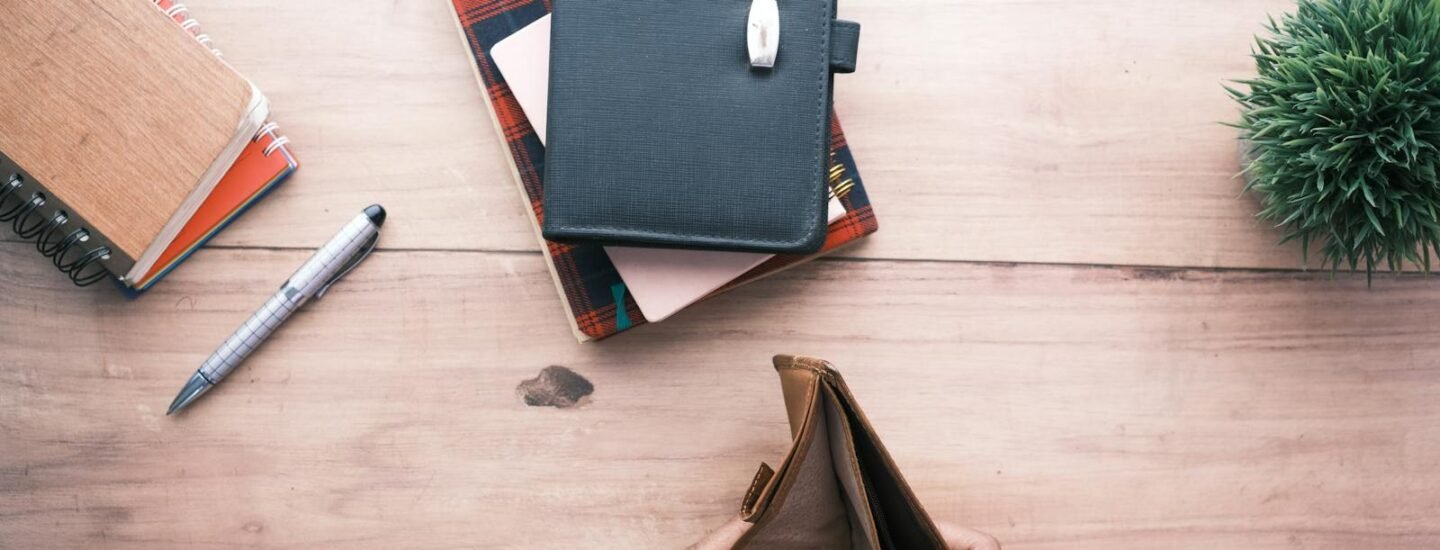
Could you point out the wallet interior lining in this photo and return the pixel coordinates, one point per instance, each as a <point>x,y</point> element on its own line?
<point>847,470</point>
<point>901,524</point>
<point>807,502</point>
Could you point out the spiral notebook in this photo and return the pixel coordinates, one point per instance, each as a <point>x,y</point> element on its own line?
<point>114,146</point>
<point>598,300</point>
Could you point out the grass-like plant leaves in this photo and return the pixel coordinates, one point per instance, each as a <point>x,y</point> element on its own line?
<point>1342,125</point>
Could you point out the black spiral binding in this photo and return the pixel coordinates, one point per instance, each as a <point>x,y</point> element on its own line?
<point>66,250</point>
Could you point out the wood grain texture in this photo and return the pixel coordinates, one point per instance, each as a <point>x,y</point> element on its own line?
<point>1054,406</point>
<point>1036,131</point>
<point>114,110</point>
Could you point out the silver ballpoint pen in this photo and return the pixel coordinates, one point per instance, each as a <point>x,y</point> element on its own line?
<point>345,251</point>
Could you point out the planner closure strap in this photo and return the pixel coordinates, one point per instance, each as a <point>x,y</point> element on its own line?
<point>844,45</point>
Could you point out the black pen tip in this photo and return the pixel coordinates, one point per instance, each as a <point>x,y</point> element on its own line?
<point>376,214</point>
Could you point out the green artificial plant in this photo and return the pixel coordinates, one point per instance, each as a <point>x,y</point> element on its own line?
<point>1341,128</point>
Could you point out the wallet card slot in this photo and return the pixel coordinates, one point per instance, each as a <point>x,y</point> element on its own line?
<point>850,474</point>
<point>898,520</point>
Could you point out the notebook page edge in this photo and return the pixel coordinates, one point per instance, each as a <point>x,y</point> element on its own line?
<point>255,115</point>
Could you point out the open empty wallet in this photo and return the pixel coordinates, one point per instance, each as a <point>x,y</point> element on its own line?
<point>837,487</point>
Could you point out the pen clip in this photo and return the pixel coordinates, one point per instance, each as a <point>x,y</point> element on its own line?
<point>350,264</point>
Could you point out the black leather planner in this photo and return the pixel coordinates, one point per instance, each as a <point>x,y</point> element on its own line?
<point>663,131</point>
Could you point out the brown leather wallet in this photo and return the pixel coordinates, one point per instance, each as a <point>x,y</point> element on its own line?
<point>837,487</point>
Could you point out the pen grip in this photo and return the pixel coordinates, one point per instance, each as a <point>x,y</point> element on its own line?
<point>250,335</point>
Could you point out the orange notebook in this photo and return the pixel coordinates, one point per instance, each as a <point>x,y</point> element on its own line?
<point>265,162</point>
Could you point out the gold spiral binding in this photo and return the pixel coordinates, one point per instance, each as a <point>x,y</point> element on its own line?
<point>839,188</point>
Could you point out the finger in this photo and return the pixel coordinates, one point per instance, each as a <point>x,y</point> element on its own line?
<point>960,538</point>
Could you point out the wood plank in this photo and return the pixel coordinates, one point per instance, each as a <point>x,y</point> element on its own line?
<point>382,107</point>
<point>1054,406</point>
<point>1045,131</point>
<point>1052,131</point>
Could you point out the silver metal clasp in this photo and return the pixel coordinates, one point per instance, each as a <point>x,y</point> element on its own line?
<point>350,264</point>
<point>762,33</point>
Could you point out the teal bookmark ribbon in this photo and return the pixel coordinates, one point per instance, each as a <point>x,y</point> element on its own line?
<point>622,317</point>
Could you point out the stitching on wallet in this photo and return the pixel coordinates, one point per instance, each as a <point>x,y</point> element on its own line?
<point>751,498</point>
<point>805,363</point>
<point>821,110</point>
<point>819,168</point>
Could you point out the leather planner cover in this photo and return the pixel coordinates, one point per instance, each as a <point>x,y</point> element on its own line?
<point>661,133</point>
<point>597,300</point>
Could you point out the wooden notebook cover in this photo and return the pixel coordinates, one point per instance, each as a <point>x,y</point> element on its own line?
<point>112,108</point>
<point>253,174</point>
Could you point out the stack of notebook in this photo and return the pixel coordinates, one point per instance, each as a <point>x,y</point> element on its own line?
<point>126,142</point>
<point>610,289</point>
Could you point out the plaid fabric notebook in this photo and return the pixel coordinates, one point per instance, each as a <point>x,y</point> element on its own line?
<point>595,296</point>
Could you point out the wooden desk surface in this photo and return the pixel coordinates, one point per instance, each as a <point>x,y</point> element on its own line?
<point>1070,331</point>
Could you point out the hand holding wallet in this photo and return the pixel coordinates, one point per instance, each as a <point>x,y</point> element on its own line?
<point>837,487</point>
